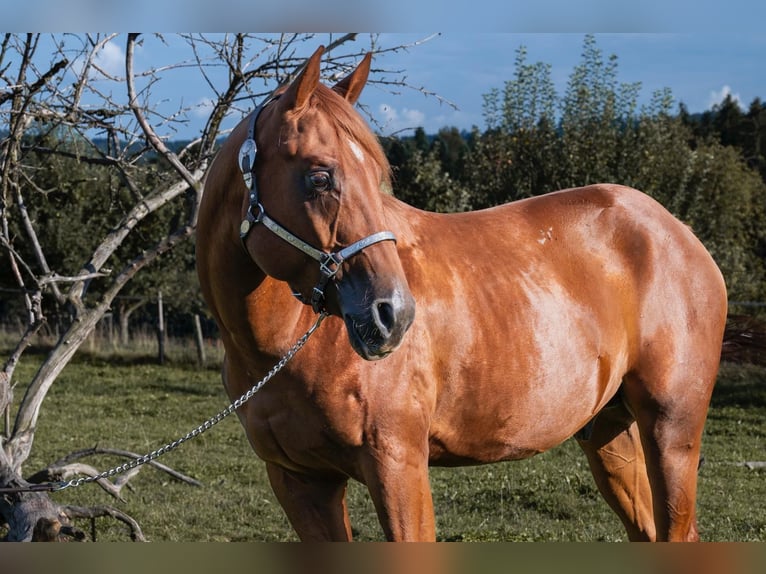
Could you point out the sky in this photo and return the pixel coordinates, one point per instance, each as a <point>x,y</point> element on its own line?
<point>699,68</point>
<point>701,50</point>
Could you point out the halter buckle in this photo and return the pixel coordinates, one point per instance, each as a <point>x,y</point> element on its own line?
<point>247,156</point>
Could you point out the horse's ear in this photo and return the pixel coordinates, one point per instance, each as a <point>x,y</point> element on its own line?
<point>298,93</point>
<point>352,85</point>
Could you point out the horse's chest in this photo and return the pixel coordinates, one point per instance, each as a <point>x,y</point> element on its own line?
<point>300,428</point>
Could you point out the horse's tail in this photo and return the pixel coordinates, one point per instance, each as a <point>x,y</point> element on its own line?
<point>744,340</point>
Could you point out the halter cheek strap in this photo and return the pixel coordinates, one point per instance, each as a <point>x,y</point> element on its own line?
<point>329,263</point>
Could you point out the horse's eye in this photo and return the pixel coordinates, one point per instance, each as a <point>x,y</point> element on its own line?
<point>319,181</point>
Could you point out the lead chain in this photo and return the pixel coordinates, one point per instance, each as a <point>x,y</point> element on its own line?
<point>211,422</point>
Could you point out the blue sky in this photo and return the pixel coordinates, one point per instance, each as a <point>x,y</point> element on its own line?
<point>662,16</point>
<point>699,68</point>
<point>700,49</point>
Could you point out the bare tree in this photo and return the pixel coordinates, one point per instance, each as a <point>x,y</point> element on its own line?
<point>66,88</point>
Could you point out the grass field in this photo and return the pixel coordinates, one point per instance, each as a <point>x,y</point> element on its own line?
<point>126,401</point>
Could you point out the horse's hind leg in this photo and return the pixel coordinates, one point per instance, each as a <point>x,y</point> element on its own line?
<point>616,458</point>
<point>316,507</point>
<point>670,412</point>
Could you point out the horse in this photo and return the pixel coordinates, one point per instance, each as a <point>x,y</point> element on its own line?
<point>448,339</point>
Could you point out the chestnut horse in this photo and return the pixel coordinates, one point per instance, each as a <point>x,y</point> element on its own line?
<point>589,312</point>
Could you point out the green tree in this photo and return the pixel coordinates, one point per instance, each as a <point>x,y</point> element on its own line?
<point>429,186</point>
<point>728,122</point>
<point>724,202</point>
<point>596,112</point>
<point>519,154</point>
<point>489,169</point>
<point>659,159</point>
<point>754,135</point>
<point>452,147</point>
<point>529,98</point>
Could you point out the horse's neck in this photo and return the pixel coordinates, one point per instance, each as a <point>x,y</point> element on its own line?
<point>399,217</point>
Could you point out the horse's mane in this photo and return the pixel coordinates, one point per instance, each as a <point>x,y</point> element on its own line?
<point>350,124</point>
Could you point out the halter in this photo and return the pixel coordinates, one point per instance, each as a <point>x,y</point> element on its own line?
<point>329,263</point>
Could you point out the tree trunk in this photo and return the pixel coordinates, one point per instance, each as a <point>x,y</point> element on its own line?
<point>125,311</point>
<point>19,445</point>
<point>23,510</point>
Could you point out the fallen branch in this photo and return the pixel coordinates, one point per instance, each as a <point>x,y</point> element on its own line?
<point>92,512</point>
<point>69,471</point>
<point>65,464</point>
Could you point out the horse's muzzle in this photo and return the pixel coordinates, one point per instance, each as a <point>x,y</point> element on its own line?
<point>378,329</point>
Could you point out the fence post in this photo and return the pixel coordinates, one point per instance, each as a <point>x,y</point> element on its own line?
<point>201,358</point>
<point>160,329</point>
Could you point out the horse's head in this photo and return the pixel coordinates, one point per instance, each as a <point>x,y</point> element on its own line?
<point>314,214</point>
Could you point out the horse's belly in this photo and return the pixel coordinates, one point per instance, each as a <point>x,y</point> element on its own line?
<point>479,445</point>
<point>505,415</point>
<point>522,381</point>
<point>521,435</point>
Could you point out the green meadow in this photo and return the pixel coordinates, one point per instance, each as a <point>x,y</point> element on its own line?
<point>125,400</point>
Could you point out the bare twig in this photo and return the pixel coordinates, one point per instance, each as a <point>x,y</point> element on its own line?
<point>56,278</point>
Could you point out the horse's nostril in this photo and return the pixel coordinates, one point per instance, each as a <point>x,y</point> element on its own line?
<point>384,317</point>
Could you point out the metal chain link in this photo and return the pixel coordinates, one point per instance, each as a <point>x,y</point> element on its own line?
<point>211,422</point>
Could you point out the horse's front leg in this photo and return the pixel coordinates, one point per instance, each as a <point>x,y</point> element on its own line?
<point>316,507</point>
<point>397,479</point>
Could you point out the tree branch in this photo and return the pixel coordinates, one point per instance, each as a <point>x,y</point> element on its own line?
<point>56,278</point>
<point>150,134</point>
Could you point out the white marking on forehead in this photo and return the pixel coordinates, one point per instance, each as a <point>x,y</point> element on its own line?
<point>356,149</point>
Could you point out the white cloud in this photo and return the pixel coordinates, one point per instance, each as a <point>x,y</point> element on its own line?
<point>392,120</point>
<point>389,120</point>
<point>717,96</point>
<point>110,59</point>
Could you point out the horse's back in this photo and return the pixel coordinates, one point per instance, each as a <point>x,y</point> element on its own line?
<point>624,229</point>
<point>599,235</point>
